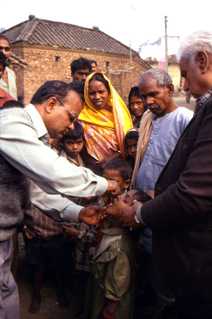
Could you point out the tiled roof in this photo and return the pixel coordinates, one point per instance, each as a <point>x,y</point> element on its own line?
<point>63,35</point>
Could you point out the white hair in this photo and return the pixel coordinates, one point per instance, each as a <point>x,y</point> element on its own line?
<point>196,42</point>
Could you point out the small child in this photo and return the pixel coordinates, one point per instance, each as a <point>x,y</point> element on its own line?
<point>72,146</point>
<point>136,106</point>
<point>130,145</point>
<point>112,281</point>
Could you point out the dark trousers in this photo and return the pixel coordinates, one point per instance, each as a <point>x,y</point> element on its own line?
<point>193,307</point>
<point>9,299</point>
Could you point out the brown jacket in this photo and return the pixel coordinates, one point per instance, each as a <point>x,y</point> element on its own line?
<point>181,214</point>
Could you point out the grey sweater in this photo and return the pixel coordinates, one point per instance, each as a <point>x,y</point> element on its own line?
<point>14,199</point>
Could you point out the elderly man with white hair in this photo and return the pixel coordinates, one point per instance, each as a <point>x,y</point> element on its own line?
<point>180,215</point>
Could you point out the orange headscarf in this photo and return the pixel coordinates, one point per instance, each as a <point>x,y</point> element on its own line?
<point>101,121</point>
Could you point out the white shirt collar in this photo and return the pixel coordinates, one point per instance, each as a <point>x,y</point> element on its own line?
<point>37,120</point>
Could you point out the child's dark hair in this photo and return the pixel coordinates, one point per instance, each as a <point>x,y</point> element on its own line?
<point>58,89</point>
<point>131,135</point>
<point>73,134</point>
<point>134,91</point>
<point>120,165</point>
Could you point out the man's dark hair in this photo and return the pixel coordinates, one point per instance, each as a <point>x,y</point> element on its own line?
<point>58,89</point>
<point>119,165</point>
<point>134,91</point>
<point>80,64</point>
<point>3,59</point>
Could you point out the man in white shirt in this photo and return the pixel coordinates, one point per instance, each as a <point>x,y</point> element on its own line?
<point>23,152</point>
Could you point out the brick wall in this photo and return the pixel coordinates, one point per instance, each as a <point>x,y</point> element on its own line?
<point>54,64</point>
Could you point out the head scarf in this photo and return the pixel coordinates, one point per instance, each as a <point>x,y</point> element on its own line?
<point>4,97</point>
<point>145,131</point>
<point>120,120</point>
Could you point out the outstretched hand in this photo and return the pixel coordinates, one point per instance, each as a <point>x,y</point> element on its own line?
<point>92,215</point>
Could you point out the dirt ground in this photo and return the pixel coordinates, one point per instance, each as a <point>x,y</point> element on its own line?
<point>50,308</point>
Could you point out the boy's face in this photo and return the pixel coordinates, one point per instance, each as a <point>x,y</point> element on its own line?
<point>74,147</point>
<point>113,174</point>
<point>131,147</point>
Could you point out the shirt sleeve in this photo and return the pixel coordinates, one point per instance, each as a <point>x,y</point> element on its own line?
<point>55,205</point>
<point>20,145</point>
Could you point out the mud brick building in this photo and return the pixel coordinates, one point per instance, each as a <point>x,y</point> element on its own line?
<point>48,47</point>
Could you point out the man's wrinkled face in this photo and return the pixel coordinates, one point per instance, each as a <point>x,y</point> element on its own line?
<point>192,78</point>
<point>61,115</point>
<point>156,98</point>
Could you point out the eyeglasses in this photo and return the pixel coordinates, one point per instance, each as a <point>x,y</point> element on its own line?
<point>72,116</point>
<point>6,49</point>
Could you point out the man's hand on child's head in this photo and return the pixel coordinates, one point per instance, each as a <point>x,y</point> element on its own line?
<point>92,215</point>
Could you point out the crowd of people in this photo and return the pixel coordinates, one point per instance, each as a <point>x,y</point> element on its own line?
<point>115,198</point>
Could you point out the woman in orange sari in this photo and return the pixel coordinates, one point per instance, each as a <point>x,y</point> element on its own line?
<point>105,118</point>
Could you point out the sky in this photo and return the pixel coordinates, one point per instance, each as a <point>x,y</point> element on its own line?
<point>133,22</point>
